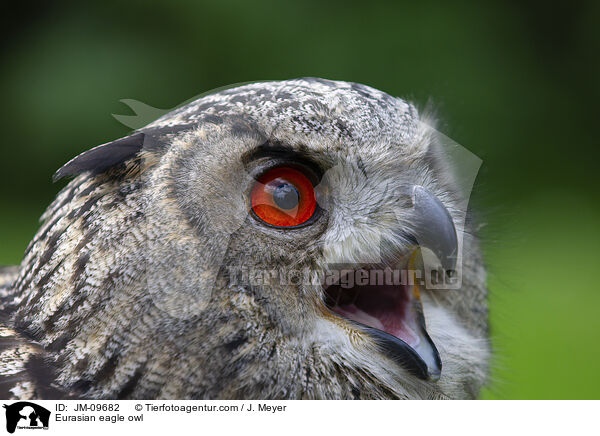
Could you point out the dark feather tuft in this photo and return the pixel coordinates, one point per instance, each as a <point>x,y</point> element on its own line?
<point>103,157</point>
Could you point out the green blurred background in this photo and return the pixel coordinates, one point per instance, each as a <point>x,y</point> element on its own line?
<point>517,83</point>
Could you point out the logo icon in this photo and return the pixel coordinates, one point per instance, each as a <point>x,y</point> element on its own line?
<point>26,415</point>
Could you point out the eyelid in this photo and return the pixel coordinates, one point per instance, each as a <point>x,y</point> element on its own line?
<point>313,176</point>
<point>268,160</point>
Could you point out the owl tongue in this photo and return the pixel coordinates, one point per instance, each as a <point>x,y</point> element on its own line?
<point>385,308</point>
<point>393,315</point>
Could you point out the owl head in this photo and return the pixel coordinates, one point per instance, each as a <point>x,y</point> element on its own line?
<point>274,240</point>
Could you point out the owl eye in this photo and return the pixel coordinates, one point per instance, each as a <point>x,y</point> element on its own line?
<point>283,197</point>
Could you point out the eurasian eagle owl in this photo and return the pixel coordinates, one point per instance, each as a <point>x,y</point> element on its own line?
<point>265,241</point>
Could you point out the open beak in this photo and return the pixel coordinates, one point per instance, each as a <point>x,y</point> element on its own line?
<point>390,310</point>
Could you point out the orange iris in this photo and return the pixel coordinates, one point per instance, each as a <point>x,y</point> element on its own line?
<point>283,197</point>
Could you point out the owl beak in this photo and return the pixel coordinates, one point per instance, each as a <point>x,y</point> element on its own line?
<point>392,314</point>
<point>432,227</point>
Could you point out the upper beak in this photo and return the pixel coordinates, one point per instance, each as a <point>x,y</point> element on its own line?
<point>433,228</point>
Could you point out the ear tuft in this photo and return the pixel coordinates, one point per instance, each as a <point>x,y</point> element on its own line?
<point>103,157</point>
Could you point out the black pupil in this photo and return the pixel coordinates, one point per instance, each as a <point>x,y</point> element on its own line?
<point>286,196</point>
